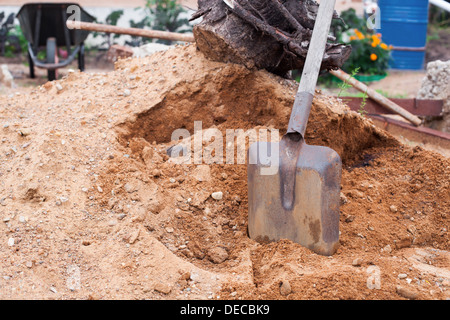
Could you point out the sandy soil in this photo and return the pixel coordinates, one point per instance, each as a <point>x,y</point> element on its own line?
<point>92,207</point>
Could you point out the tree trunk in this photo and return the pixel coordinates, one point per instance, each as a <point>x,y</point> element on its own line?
<point>266,34</point>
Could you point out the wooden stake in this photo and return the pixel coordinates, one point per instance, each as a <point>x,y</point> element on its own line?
<point>164,35</point>
<point>385,102</point>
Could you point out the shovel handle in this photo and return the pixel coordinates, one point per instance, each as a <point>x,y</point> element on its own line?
<point>310,73</point>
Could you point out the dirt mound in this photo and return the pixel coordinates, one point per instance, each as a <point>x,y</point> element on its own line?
<point>93,206</point>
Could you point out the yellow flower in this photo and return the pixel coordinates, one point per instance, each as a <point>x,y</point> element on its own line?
<point>359,34</point>
<point>384,46</point>
<point>376,40</point>
<point>353,38</point>
<point>374,44</point>
<point>373,57</point>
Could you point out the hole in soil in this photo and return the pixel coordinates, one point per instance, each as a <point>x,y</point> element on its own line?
<point>238,99</point>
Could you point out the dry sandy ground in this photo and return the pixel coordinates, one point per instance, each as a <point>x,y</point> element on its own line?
<point>92,207</point>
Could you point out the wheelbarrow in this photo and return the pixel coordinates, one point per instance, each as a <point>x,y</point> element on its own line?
<point>44,25</point>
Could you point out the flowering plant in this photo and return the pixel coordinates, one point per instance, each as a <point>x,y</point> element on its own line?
<point>369,53</point>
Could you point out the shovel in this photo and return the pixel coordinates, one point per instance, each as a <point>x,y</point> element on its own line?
<point>294,188</point>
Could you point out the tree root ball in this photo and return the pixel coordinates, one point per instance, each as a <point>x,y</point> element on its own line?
<point>262,34</point>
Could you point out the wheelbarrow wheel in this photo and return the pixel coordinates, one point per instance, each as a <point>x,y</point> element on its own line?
<point>81,64</point>
<point>31,63</point>
<point>51,57</point>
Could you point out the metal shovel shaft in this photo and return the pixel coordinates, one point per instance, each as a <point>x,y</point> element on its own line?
<point>303,100</point>
<point>299,200</point>
<point>293,141</point>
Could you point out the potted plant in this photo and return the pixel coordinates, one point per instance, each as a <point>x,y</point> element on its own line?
<point>369,54</point>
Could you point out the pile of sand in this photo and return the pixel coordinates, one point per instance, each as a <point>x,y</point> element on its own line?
<point>93,207</point>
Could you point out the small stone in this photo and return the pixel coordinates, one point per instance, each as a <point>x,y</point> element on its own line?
<point>402,275</point>
<point>185,276</point>
<point>58,87</point>
<point>52,289</point>
<point>344,199</point>
<point>387,249</point>
<point>349,218</point>
<point>134,236</point>
<point>11,242</point>
<point>84,189</point>
<point>24,132</point>
<point>403,243</point>
<point>355,194</point>
<point>357,262</point>
<point>129,188</point>
<point>112,222</point>
<point>411,229</point>
<point>393,208</point>
<point>156,173</point>
<point>217,195</point>
<point>169,230</point>
<point>126,93</point>
<point>285,288</point>
<point>217,255</point>
<point>162,288</point>
<point>23,219</point>
<point>406,293</point>
<point>29,264</point>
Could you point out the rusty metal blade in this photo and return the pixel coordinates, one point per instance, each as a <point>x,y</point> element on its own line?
<point>309,213</point>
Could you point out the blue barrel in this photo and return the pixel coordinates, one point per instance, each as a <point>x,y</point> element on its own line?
<point>404,25</point>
